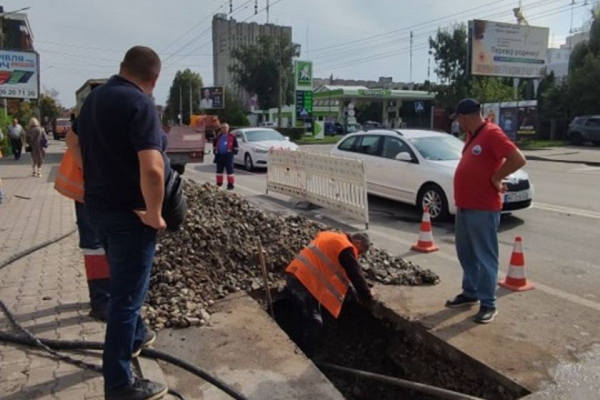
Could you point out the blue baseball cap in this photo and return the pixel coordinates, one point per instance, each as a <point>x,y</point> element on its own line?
<point>466,107</point>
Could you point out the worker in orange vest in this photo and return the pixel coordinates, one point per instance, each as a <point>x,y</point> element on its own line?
<point>69,182</point>
<point>321,276</point>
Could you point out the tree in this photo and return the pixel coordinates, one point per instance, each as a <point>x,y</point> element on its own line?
<point>449,50</point>
<point>179,96</point>
<point>233,113</point>
<point>583,95</point>
<point>578,55</point>
<point>262,67</point>
<point>491,90</point>
<point>27,110</point>
<point>49,106</point>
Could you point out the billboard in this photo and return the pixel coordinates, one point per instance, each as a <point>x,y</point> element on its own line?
<point>527,120</point>
<point>212,98</point>
<point>304,104</point>
<point>509,50</point>
<point>19,74</point>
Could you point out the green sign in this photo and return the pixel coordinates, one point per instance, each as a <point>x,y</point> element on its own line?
<point>304,75</point>
<point>304,104</point>
<point>375,92</point>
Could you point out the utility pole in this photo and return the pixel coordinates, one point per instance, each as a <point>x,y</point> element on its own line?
<point>280,84</point>
<point>180,105</point>
<point>411,55</point>
<point>191,101</point>
<point>267,11</point>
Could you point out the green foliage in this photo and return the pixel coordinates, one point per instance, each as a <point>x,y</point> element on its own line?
<point>491,90</point>
<point>449,50</point>
<point>260,66</point>
<point>49,107</point>
<point>372,111</point>
<point>233,113</point>
<point>578,55</point>
<point>584,96</point>
<point>5,121</point>
<point>179,93</point>
<point>27,110</point>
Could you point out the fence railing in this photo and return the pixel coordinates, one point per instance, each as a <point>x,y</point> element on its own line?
<point>331,182</point>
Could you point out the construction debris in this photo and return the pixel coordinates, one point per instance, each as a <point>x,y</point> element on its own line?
<point>216,254</point>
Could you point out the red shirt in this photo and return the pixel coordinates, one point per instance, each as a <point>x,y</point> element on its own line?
<point>484,153</point>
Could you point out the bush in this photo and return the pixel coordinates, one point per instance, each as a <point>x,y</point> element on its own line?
<point>293,133</point>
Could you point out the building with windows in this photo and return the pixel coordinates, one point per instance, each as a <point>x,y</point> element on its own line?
<point>558,58</point>
<point>228,35</point>
<point>16,32</point>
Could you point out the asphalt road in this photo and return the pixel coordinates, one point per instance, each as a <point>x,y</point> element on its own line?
<point>559,233</point>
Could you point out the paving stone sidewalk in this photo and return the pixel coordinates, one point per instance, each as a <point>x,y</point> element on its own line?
<point>47,290</point>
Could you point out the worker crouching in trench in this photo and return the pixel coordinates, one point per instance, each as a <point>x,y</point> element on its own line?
<point>321,276</point>
<point>225,148</point>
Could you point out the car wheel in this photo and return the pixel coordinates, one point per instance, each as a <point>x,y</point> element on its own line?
<point>180,168</point>
<point>576,138</point>
<point>435,199</point>
<point>248,162</point>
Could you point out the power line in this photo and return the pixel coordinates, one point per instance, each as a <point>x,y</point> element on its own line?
<point>404,50</point>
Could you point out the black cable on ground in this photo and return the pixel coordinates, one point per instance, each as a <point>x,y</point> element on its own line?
<point>417,387</point>
<point>54,345</point>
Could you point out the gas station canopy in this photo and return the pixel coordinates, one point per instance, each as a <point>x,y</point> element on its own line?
<point>364,93</point>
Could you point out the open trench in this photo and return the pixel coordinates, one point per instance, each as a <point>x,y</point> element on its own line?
<point>390,345</point>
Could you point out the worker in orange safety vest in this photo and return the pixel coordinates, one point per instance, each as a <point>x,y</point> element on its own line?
<point>321,276</point>
<point>69,182</point>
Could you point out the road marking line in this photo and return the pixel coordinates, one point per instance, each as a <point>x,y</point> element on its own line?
<point>453,258</point>
<point>585,169</point>
<point>567,210</point>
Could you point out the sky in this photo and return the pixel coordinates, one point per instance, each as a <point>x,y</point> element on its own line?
<point>351,39</point>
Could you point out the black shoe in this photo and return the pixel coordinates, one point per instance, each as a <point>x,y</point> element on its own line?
<point>149,339</point>
<point>141,389</point>
<point>485,315</point>
<point>98,315</point>
<point>230,187</point>
<point>461,301</point>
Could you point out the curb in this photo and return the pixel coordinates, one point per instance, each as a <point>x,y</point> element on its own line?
<point>589,163</point>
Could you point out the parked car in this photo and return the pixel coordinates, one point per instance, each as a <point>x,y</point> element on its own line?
<point>417,167</point>
<point>585,128</point>
<point>255,144</point>
<point>368,125</point>
<point>268,124</point>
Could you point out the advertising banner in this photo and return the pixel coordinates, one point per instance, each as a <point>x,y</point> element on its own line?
<point>509,50</point>
<point>491,112</point>
<point>508,121</point>
<point>19,75</point>
<point>527,121</point>
<point>212,98</point>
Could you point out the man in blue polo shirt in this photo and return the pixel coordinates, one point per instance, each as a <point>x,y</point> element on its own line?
<point>119,142</point>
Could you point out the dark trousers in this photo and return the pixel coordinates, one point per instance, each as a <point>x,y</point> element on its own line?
<point>225,163</point>
<point>17,147</point>
<point>310,315</point>
<point>97,273</point>
<point>130,248</point>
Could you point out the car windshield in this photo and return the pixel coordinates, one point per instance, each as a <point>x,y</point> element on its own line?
<point>439,148</point>
<point>263,135</point>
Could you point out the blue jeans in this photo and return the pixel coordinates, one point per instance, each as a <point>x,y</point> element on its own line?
<point>88,239</point>
<point>130,248</point>
<point>477,249</point>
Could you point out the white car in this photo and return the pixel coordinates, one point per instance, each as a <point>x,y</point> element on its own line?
<point>255,144</point>
<point>417,167</point>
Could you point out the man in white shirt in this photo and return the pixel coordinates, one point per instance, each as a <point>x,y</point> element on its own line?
<point>455,128</point>
<point>15,134</point>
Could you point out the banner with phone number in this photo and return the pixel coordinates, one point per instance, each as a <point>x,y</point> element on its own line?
<point>19,74</point>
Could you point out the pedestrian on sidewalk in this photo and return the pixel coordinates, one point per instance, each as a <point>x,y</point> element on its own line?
<point>118,140</point>
<point>455,129</point>
<point>225,148</point>
<point>15,135</point>
<point>488,158</point>
<point>36,140</point>
<point>69,183</point>
<point>321,276</point>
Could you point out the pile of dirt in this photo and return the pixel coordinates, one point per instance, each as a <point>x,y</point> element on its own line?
<point>216,253</point>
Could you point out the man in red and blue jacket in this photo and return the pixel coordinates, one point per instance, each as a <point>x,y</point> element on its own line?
<point>225,147</point>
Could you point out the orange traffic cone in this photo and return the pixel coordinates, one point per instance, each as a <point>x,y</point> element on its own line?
<point>425,243</point>
<point>516,278</point>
